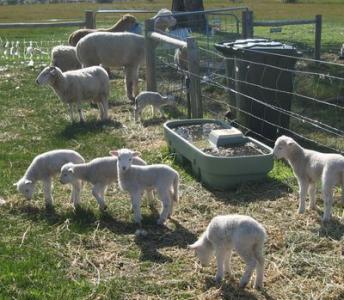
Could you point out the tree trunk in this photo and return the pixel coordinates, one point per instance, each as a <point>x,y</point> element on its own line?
<point>197,22</point>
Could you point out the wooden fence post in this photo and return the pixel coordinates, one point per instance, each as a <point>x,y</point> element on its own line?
<point>90,19</point>
<point>150,57</point>
<point>195,82</point>
<point>247,24</point>
<point>318,27</point>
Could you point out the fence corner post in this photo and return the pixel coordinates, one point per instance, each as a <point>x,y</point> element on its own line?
<point>90,19</point>
<point>195,82</point>
<point>150,57</point>
<point>247,24</point>
<point>318,28</point>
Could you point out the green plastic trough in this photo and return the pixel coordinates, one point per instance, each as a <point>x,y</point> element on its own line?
<point>220,173</point>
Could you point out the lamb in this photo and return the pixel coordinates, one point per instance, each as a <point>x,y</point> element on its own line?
<point>239,232</point>
<point>125,23</point>
<point>151,98</point>
<point>43,167</point>
<point>64,57</point>
<point>181,59</point>
<point>100,172</point>
<point>120,49</point>
<point>73,87</point>
<point>135,179</point>
<point>309,166</point>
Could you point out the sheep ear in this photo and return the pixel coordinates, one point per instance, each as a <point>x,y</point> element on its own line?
<point>136,153</point>
<point>27,181</point>
<point>113,152</point>
<point>70,170</point>
<point>195,245</point>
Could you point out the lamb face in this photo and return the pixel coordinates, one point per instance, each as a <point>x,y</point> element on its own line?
<point>282,146</point>
<point>125,158</point>
<point>203,251</point>
<point>67,174</point>
<point>26,187</point>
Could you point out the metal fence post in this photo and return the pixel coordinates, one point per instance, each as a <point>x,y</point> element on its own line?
<point>150,57</point>
<point>90,19</point>
<point>317,46</point>
<point>247,24</point>
<point>195,82</point>
<point>229,68</point>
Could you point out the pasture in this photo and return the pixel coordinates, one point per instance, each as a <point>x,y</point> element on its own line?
<point>86,254</point>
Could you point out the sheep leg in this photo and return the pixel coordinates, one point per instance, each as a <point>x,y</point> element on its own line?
<point>220,254</point>
<point>81,115</point>
<point>47,192</point>
<point>136,201</point>
<point>228,257</point>
<point>131,81</point>
<point>98,193</point>
<point>260,267</point>
<point>76,188</point>
<point>71,114</point>
<point>150,197</point>
<point>312,196</point>
<point>303,185</point>
<point>250,266</point>
<point>328,199</point>
<point>166,206</point>
<point>105,105</point>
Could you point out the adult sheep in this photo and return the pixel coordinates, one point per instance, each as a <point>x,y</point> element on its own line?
<point>120,49</point>
<point>77,86</point>
<point>65,58</point>
<point>125,23</point>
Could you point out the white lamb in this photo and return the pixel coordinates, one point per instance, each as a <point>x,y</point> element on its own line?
<point>309,166</point>
<point>43,168</point>
<point>74,87</point>
<point>100,172</point>
<point>135,179</point>
<point>64,57</point>
<point>151,98</point>
<point>225,233</point>
<point>120,49</point>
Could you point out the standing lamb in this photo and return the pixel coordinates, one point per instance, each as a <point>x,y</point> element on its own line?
<point>125,23</point>
<point>100,172</point>
<point>64,57</point>
<point>120,49</point>
<point>151,98</point>
<point>309,166</point>
<point>73,87</point>
<point>136,179</point>
<point>44,167</point>
<point>225,233</point>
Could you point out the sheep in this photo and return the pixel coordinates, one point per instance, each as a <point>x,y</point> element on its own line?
<point>135,179</point>
<point>100,172</point>
<point>73,87</point>
<point>125,23</point>
<point>43,167</point>
<point>151,98</point>
<point>228,232</point>
<point>65,58</point>
<point>181,59</point>
<point>120,49</point>
<point>309,166</point>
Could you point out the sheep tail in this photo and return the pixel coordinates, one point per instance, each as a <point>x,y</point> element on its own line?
<point>176,189</point>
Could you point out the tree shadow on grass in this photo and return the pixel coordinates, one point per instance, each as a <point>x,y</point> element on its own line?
<point>231,290</point>
<point>159,237</point>
<point>75,129</point>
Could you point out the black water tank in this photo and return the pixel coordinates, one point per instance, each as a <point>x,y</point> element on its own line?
<point>263,71</point>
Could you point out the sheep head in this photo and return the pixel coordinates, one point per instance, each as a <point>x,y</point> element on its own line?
<point>283,146</point>
<point>124,158</point>
<point>164,19</point>
<point>48,75</point>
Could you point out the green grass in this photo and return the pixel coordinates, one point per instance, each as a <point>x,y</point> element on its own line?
<point>85,254</point>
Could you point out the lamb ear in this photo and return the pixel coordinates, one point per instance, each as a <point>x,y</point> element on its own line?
<point>70,170</point>
<point>136,153</point>
<point>27,181</point>
<point>113,152</point>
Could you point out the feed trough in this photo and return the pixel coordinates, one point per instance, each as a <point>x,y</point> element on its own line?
<point>235,159</point>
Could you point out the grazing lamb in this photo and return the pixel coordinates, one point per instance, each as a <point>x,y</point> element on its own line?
<point>135,179</point>
<point>120,49</point>
<point>64,57</point>
<point>44,167</point>
<point>100,172</point>
<point>225,233</point>
<point>73,87</point>
<point>309,166</point>
<point>151,98</point>
<point>125,23</point>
